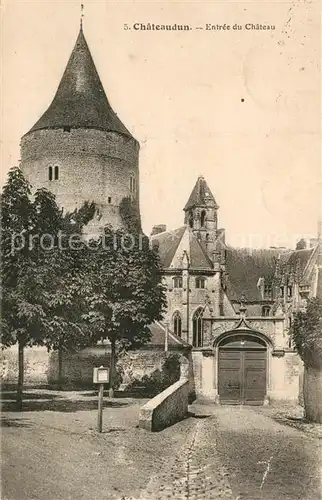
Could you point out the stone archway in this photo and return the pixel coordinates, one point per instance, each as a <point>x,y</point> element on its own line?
<point>242,362</point>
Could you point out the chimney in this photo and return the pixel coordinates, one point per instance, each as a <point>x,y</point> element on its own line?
<point>159,228</point>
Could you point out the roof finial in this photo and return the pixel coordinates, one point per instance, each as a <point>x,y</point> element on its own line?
<point>242,307</point>
<point>81,16</point>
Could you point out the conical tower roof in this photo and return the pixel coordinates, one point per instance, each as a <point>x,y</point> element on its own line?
<point>199,195</point>
<point>80,101</point>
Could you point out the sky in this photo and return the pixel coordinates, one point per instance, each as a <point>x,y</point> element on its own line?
<point>242,108</point>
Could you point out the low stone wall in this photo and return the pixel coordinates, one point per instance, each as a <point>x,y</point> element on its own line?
<point>170,406</point>
<point>167,408</point>
<point>312,394</point>
<point>148,370</point>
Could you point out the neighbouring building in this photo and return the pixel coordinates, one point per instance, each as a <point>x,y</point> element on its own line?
<point>235,306</point>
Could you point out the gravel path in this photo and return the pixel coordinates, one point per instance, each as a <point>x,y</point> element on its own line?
<point>52,451</point>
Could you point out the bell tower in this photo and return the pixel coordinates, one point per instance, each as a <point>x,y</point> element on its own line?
<point>201,213</point>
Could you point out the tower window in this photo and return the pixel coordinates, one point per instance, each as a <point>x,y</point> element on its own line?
<point>109,199</point>
<point>265,310</point>
<point>132,184</point>
<point>56,172</point>
<point>177,323</point>
<point>203,218</point>
<point>191,219</point>
<point>177,282</point>
<point>200,282</point>
<point>282,291</point>
<point>50,173</point>
<point>289,291</point>
<point>197,333</point>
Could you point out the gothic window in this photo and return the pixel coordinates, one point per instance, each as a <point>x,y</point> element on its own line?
<point>267,291</point>
<point>203,218</point>
<point>56,176</point>
<point>177,282</point>
<point>197,332</point>
<point>50,173</point>
<point>282,291</point>
<point>289,291</point>
<point>176,319</point>
<point>200,282</point>
<point>109,199</point>
<point>265,310</point>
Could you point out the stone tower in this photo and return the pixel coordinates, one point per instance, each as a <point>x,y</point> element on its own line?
<point>201,214</point>
<point>79,149</point>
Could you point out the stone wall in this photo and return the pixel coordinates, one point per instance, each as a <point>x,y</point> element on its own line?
<point>312,394</point>
<point>149,370</point>
<point>35,367</point>
<point>187,301</point>
<point>94,165</point>
<point>285,378</point>
<point>166,408</point>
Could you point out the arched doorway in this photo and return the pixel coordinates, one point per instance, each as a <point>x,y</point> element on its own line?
<point>242,370</point>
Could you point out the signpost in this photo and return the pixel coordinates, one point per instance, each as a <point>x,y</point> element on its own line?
<point>100,377</point>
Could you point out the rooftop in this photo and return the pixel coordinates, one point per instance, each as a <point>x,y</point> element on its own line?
<point>80,100</point>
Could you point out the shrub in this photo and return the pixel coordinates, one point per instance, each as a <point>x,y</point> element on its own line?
<point>306,333</point>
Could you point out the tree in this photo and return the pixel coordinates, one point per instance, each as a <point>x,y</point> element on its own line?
<point>306,333</point>
<point>41,276</point>
<point>20,317</point>
<point>125,292</point>
<point>62,297</point>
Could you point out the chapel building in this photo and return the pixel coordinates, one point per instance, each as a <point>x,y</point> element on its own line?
<point>235,306</point>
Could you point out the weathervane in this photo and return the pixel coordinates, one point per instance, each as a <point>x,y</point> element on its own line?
<point>82,16</point>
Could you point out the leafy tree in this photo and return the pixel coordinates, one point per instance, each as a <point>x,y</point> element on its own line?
<point>125,292</point>
<point>21,318</point>
<point>41,275</point>
<point>130,215</point>
<point>306,333</point>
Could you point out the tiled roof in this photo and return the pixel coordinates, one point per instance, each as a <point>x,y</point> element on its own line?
<point>80,101</point>
<point>199,194</point>
<point>198,256</point>
<point>168,244</point>
<point>158,336</point>
<point>244,267</point>
<point>291,265</point>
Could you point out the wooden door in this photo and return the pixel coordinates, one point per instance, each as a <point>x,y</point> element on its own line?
<point>254,377</point>
<point>242,376</point>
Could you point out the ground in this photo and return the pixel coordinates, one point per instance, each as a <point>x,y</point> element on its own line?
<point>52,451</point>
